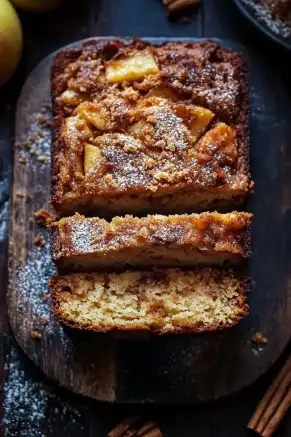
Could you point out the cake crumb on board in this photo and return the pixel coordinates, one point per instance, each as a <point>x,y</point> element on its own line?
<point>35,334</point>
<point>38,241</point>
<point>259,338</point>
<point>44,217</point>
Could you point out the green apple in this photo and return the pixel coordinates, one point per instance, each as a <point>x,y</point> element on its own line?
<point>10,40</point>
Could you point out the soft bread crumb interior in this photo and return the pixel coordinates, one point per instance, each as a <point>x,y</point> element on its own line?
<point>165,300</point>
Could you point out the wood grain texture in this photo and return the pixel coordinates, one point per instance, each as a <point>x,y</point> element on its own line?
<point>55,353</point>
<point>189,368</point>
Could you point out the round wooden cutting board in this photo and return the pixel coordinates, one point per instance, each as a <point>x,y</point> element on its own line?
<point>169,369</point>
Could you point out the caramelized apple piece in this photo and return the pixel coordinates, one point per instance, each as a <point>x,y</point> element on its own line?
<point>140,128</point>
<point>92,155</point>
<point>92,113</point>
<point>202,118</point>
<point>134,67</point>
<point>220,142</point>
<point>74,132</point>
<point>70,98</point>
<point>164,92</point>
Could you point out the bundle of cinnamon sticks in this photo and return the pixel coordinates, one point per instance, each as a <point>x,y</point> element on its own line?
<point>274,405</point>
<point>176,6</point>
<point>135,427</point>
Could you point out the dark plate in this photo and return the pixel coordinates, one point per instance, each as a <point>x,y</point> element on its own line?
<point>259,23</point>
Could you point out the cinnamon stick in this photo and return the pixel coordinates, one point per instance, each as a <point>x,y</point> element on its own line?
<point>145,428</point>
<point>131,432</point>
<point>154,433</point>
<point>179,5</point>
<point>133,427</point>
<point>274,404</point>
<point>120,429</point>
<point>278,416</point>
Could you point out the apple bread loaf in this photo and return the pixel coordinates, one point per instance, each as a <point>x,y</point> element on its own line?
<point>142,128</point>
<point>162,301</point>
<point>88,244</point>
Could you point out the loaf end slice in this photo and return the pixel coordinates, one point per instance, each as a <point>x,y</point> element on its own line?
<point>161,301</point>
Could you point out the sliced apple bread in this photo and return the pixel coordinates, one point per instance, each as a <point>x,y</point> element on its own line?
<point>162,301</point>
<point>88,244</point>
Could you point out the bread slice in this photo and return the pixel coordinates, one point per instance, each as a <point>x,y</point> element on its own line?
<point>143,128</point>
<point>88,244</point>
<point>162,301</point>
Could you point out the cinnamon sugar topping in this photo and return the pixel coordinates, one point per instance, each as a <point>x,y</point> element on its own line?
<point>158,116</point>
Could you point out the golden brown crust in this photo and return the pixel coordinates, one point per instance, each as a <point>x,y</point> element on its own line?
<point>203,74</point>
<point>214,234</point>
<point>61,285</point>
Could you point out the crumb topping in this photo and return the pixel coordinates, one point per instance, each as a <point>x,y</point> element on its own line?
<point>143,118</point>
<point>206,231</point>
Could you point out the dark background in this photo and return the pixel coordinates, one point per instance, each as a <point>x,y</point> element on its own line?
<point>34,406</point>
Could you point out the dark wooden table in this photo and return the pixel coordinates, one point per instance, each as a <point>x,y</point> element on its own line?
<point>34,406</point>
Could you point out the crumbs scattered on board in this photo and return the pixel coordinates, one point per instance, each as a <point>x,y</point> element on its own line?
<point>35,334</point>
<point>259,338</point>
<point>263,14</point>
<point>43,217</point>
<point>30,404</point>
<point>33,299</point>
<point>38,142</point>
<point>39,241</point>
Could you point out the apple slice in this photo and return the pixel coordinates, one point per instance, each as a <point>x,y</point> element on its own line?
<point>92,155</point>
<point>75,132</point>
<point>140,128</point>
<point>163,92</point>
<point>134,67</point>
<point>70,97</point>
<point>92,113</point>
<point>219,141</point>
<point>201,119</point>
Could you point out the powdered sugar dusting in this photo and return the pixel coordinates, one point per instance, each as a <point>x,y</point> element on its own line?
<point>81,235</point>
<point>4,211</point>
<point>27,401</point>
<point>32,279</point>
<point>34,306</point>
<point>24,402</point>
<point>263,14</point>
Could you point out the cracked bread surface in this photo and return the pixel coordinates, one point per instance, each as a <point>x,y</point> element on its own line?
<point>160,301</point>
<point>83,244</point>
<point>143,128</point>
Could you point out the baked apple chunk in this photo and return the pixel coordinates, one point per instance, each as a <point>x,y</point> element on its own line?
<point>92,113</point>
<point>92,155</point>
<point>131,68</point>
